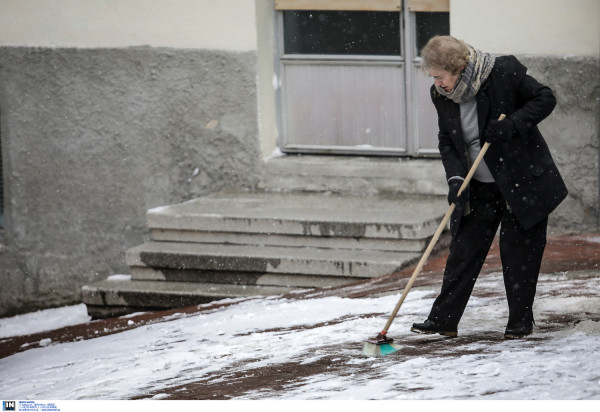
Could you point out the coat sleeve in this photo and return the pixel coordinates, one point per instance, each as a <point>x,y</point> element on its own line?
<point>451,158</point>
<point>535,101</point>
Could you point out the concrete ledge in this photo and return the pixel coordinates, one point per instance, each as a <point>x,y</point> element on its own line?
<point>238,278</point>
<point>305,214</point>
<point>259,239</point>
<point>273,260</point>
<point>355,174</point>
<point>113,296</point>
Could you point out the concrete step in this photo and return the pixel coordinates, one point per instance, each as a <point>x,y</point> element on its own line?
<point>294,241</point>
<point>398,222</point>
<point>364,175</point>
<point>238,277</point>
<point>231,245</point>
<point>119,295</point>
<point>264,260</point>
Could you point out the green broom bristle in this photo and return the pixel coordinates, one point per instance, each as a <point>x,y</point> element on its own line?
<point>373,350</point>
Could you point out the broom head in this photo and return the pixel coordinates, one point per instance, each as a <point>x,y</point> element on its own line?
<point>380,346</point>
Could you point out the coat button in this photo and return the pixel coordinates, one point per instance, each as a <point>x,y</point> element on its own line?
<point>516,185</point>
<point>501,159</point>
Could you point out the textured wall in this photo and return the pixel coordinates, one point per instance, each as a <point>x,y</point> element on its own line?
<point>572,132</point>
<point>194,24</point>
<point>92,138</point>
<point>541,27</point>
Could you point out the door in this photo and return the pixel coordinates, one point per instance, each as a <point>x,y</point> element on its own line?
<point>350,79</point>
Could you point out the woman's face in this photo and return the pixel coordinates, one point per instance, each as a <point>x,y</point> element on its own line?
<point>444,79</point>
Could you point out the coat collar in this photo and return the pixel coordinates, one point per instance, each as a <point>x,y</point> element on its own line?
<point>483,106</point>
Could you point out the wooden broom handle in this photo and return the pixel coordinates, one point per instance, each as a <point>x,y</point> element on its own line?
<point>437,234</point>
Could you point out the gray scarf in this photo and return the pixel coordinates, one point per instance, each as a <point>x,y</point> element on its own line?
<point>476,71</point>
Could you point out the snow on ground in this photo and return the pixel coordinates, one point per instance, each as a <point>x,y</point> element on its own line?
<point>220,347</point>
<point>43,320</point>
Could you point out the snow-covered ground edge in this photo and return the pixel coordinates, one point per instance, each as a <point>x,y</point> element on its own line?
<point>43,320</point>
<point>250,335</point>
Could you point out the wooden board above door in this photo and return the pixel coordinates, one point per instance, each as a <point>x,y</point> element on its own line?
<point>361,5</point>
<point>429,5</point>
<point>358,5</point>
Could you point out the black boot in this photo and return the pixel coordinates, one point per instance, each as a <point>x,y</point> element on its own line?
<point>518,332</point>
<point>430,326</point>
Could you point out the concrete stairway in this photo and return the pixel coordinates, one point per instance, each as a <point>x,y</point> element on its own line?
<point>314,222</point>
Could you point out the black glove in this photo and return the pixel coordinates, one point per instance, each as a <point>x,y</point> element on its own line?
<point>499,130</point>
<point>453,197</point>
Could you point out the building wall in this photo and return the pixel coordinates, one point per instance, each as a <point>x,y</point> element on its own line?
<point>572,133</point>
<point>559,42</point>
<point>103,118</point>
<point>267,81</point>
<point>540,27</point>
<point>111,107</point>
<point>197,24</point>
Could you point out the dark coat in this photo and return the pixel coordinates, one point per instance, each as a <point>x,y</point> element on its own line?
<point>522,166</point>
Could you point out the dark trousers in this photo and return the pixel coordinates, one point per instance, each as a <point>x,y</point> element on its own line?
<point>521,253</point>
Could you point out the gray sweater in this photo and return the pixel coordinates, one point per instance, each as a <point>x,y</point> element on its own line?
<point>470,128</point>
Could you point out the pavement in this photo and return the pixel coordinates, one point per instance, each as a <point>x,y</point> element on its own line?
<point>572,259</point>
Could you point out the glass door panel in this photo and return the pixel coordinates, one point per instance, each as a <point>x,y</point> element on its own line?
<point>343,88</point>
<point>350,81</point>
<point>342,107</point>
<point>337,33</point>
<point>423,116</point>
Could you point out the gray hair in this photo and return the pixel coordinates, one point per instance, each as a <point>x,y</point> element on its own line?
<point>446,53</point>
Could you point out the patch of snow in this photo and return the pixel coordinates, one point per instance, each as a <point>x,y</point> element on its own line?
<point>158,209</point>
<point>45,342</point>
<point>207,347</point>
<point>43,320</point>
<point>276,153</point>
<point>119,277</point>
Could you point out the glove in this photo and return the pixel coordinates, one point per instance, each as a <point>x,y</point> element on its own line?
<point>453,197</point>
<point>499,130</point>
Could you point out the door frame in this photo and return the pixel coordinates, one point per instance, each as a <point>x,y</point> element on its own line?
<point>420,121</point>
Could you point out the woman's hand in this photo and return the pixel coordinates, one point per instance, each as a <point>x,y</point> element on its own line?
<point>499,130</point>
<point>453,197</point>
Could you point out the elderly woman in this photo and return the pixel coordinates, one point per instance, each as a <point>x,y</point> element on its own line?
<point>516,186</point>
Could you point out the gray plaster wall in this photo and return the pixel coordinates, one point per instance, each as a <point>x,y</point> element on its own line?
<point>92,138</point>
<point>572,133</point>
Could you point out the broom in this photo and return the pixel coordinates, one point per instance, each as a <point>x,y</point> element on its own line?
<point>381,345</point>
